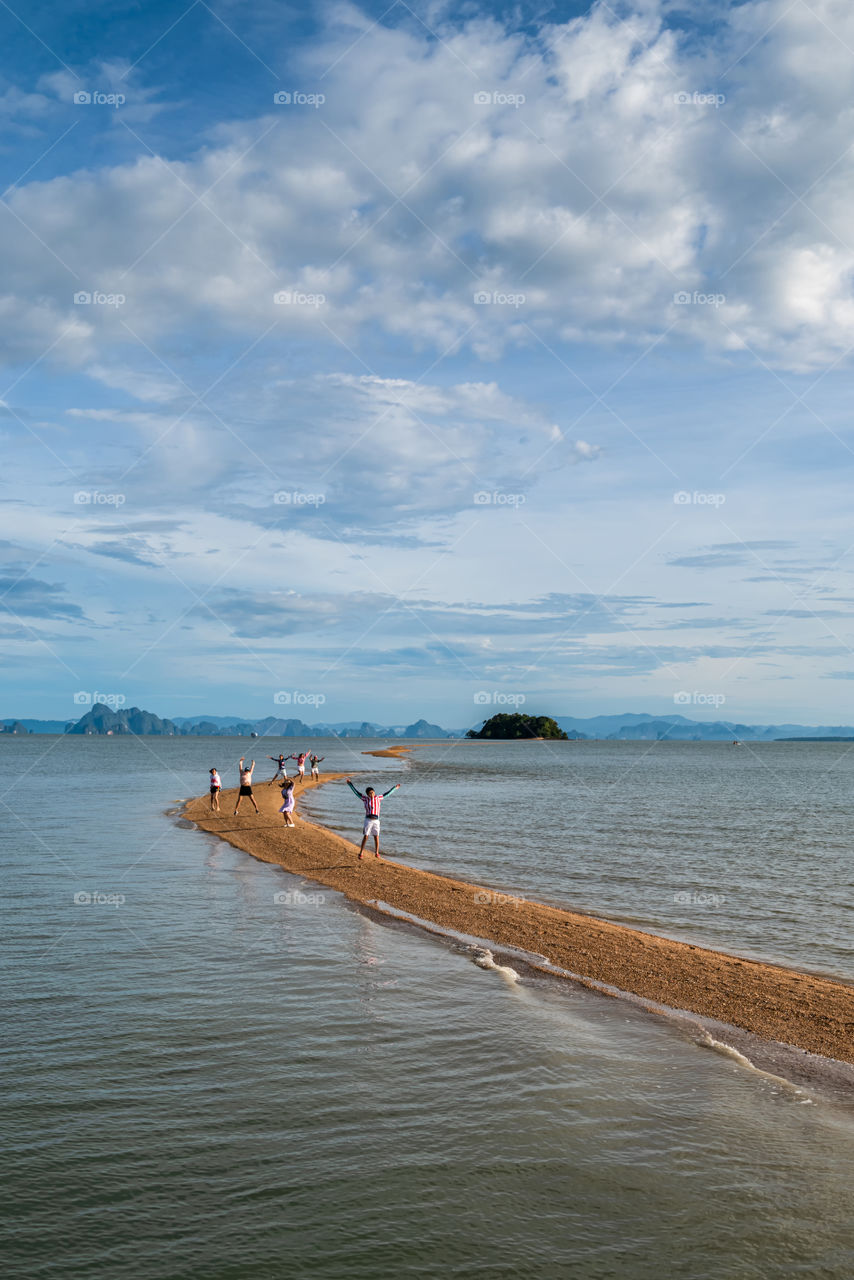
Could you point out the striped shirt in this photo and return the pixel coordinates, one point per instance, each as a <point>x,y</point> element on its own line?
<point>372,803</point>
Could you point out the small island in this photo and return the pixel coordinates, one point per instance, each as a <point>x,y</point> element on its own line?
<point>516,725</point>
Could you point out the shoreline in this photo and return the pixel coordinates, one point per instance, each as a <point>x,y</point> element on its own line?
<point>803,1010</point>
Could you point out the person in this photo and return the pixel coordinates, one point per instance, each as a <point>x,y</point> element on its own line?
<point>372,803</point>
<point>216,787</point>
<point>281,768</point>
<point>314,761</point>
<point>245,784</point>
<point>287,808</point>
<point>300,759</point>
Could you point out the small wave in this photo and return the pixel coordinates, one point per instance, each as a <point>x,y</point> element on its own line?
<point>708,1041</point>
<point>484,959</point>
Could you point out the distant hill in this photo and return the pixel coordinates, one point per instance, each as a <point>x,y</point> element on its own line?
<point>635,727</point>
<point>511,726</point>
<point>103,720</point>
<point>42,726</point>
<point>14,726</point>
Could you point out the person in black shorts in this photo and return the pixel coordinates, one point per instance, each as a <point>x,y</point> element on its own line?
<point>245,784</point>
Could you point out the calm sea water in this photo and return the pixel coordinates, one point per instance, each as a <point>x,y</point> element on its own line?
<point>217,1071</point>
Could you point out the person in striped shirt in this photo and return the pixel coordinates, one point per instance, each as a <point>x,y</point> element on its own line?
<point>372,803</point>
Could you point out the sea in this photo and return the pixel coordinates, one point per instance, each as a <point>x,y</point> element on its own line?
<point>216,1070</point>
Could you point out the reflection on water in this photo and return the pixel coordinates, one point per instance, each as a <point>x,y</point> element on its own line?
<point>234,1075</point>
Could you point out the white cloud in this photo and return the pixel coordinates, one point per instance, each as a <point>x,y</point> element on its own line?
<point>597,199</point>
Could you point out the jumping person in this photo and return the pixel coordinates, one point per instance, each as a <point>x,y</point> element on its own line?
<point>245,784</point>
<point>287,808</point>
<point>372,803</point>
<point>314,761</point>
<point>216,787</point>
<point>281,768</point>
<point>300,759</point>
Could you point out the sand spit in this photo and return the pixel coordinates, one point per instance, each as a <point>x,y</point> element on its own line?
<point>810,1012</point>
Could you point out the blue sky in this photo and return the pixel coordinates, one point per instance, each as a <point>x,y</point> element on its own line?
<point>506,352</point>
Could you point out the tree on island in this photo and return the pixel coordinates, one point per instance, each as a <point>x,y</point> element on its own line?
<point>506,725</point>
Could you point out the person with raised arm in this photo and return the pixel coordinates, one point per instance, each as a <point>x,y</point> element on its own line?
<point>281,768</point>
<point>245,784</point>
<point>372,801</point>
<point>300,759</point>
<point>314,761</point>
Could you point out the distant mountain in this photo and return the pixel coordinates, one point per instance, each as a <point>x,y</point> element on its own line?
<point>422,729</point>
<point>42,726</point>
<point>102,720</point>
<point>14,726</point>
<point>635,727</point>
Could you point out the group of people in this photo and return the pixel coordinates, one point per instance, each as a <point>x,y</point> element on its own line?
<point>280,761</point>
<point>371,799</point>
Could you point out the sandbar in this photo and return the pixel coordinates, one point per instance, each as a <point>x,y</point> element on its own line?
<point>805,1010</point>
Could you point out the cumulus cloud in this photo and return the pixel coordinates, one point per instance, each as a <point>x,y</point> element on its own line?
<point>598,179</point>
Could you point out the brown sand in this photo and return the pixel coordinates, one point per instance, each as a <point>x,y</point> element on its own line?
<point>810,1012</point>
<point>387,751</point>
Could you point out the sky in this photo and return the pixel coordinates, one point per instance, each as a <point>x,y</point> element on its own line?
<point>416,360</point>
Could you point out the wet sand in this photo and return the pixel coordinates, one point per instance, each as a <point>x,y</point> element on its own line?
<point>810,1012</point>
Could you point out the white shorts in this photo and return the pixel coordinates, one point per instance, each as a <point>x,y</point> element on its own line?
<point>371,827</point>
<point>315,773</point>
